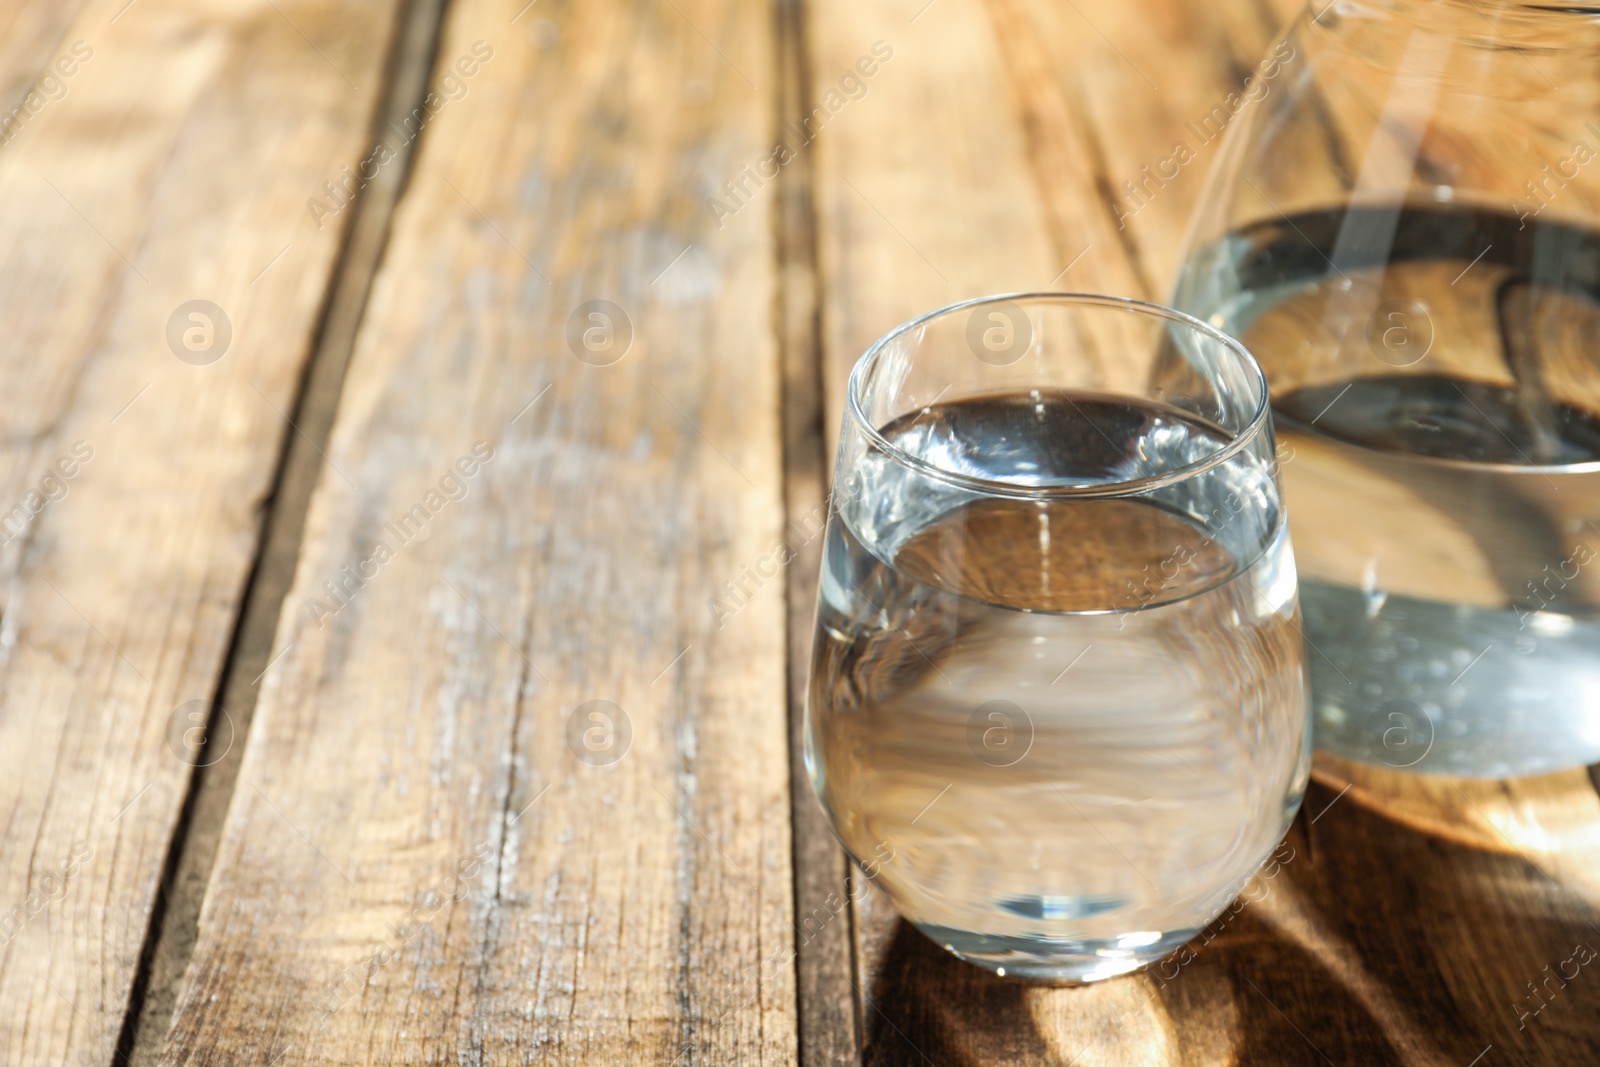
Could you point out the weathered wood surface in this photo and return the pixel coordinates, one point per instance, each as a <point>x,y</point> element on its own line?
<point>425,850</point>
<point>824,976</point>
<point>32,36</point>
<point>438,849</point>
<point>163,153</point>
<point>172,939</point>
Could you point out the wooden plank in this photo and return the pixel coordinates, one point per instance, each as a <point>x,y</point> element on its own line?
<point>1401,921</point>
<point>433,851</point>
<point>1480,903</point>
<point>912,215</point>
<point>1129,92</point>
<point>175,168</point>
<point>916,215</point>
<point>824,973</point>
<point>176,924</point>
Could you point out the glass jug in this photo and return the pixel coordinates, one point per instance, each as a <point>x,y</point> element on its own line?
<point>1402,227</point>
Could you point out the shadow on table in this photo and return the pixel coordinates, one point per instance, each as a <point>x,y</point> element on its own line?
<point>1376,943</point>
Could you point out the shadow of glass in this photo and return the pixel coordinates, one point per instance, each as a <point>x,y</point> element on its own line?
<point>1376,943</point>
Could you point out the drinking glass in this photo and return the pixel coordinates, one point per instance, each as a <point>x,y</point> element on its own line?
<point>1058,704</point>
<point>1404,225</point>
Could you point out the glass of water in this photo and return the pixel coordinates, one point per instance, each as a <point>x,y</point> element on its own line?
<point>1058,701</point>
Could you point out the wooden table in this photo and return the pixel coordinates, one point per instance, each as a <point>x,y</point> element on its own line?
<point>312,590</point>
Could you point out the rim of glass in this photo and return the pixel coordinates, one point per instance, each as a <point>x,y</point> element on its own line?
<point>1129,487</point>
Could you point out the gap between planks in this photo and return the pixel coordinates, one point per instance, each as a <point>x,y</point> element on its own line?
<point>170,937</point>
<point>825,1003</point>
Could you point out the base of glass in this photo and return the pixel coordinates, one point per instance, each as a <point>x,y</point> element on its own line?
<point>1061,961</point>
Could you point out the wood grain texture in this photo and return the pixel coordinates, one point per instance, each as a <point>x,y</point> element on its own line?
<point>176,922</point>
<point>31,46</point>
<point>924,192</point>
<point>1403,920</point>
<point>175,166</point>
<point>1124,97</point>
<point>433,852</point>
<point>824,975</point>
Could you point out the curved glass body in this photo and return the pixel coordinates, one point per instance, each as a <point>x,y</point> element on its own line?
<point>1403,231</point>
<point>1058,701</point>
